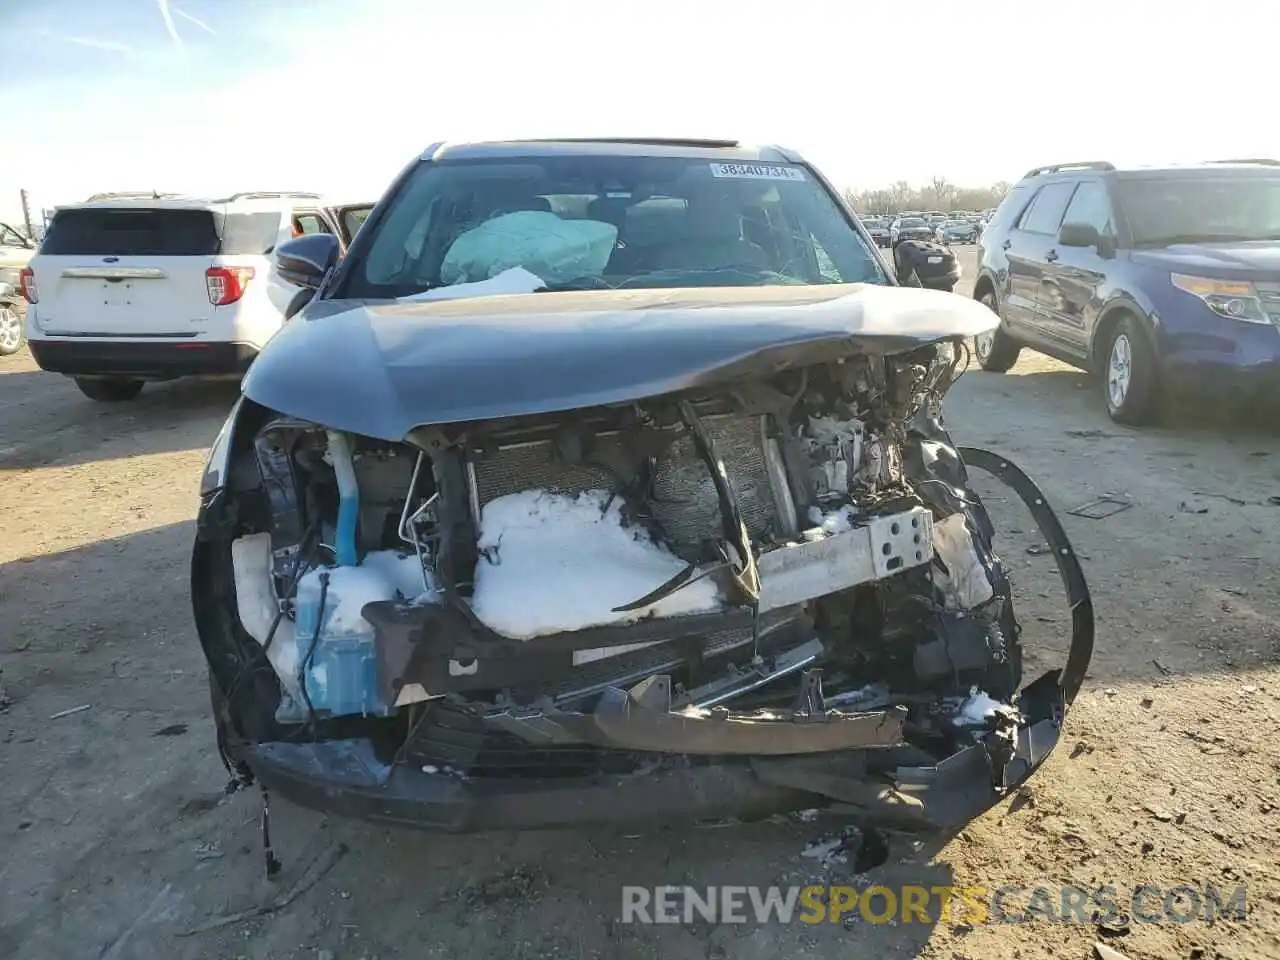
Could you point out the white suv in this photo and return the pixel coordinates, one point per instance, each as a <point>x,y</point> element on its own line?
<point>127,288</point>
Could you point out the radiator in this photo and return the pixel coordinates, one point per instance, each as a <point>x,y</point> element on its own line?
<point>684,496</point>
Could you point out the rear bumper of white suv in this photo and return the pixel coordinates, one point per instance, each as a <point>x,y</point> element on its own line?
<point>141,359</point>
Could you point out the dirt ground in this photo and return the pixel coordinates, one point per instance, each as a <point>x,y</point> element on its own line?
<point>117,841</point>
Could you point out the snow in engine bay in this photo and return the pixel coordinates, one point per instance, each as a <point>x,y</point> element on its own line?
<point>833,521</point>
<point>976,709</point>
<point>555,563</point>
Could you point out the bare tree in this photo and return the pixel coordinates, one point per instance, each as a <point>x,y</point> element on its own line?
<point>939,194</point>
<point>944,192</point>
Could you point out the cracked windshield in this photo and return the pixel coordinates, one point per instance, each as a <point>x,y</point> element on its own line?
<point>606,223</point>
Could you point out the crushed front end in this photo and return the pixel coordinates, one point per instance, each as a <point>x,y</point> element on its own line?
<point>774,592</point>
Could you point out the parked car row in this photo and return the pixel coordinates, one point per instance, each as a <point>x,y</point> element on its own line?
<point>940,227</point>
<point>958,231</point>
<point>1160,281</point>
<point>910,228</point>
<point>878,228</point>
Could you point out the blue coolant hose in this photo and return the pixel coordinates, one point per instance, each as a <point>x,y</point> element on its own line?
<point>348,499</point>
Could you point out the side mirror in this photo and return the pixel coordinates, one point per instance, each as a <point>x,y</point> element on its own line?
<point>1078,235</point>
<point>306,260</point>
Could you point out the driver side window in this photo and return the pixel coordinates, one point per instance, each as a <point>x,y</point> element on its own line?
<point>1091,206</point>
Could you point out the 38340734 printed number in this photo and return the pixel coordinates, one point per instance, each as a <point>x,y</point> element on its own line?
<point>756,171</point>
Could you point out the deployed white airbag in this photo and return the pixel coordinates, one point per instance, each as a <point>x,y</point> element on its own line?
<point>555,250</point>
<point>513,281</point>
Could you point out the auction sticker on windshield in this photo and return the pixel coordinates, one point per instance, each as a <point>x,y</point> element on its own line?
<point>755,171</point>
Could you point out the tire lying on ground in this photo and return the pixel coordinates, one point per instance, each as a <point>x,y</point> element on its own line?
<point>933,264</point>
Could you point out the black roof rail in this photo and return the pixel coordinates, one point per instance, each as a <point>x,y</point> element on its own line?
<point>267,195</point>
<point>1080,165</point>
<point>652,141</point>
<point>1261,161</point>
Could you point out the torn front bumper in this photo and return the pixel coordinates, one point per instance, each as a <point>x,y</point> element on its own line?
<point>707,762</point>
<point>347,778</point>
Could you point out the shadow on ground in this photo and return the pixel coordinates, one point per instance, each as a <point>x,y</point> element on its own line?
<point>1078,395</point>
<point>47,420</point>
<point>1190,509</point>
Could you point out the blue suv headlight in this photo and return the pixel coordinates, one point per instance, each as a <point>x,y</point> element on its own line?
<point>1233,299</point>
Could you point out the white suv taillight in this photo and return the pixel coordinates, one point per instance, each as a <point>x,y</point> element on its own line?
<point>27,281</point>
<point>227,284</point>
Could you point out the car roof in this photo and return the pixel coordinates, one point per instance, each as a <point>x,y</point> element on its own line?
<point>1259,167</point>
<point>1202,170</point>
<point>729,151</point>
<point>172,201</point>
<point>141,203</point>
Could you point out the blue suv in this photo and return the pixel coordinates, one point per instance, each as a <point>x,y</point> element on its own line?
<point>1158,280</point>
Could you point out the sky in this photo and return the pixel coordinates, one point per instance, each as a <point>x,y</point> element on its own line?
<point>213,96</point>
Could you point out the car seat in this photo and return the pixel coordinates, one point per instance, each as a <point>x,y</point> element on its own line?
<point>714,238</point>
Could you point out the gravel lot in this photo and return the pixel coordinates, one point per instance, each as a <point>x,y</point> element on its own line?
<point>117,841</point>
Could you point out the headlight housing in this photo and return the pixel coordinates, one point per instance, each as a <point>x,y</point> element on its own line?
<point>1233,299</point>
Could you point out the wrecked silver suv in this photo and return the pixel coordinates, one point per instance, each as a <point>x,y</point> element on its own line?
<point>608,481</point>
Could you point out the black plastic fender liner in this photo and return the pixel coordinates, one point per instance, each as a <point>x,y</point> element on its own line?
<point>1064,555</point>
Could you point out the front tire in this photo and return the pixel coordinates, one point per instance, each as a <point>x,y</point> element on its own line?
<point>1130,375</point>
<point>109,390</point>
<point>12,335</point>
<point>996,351</point>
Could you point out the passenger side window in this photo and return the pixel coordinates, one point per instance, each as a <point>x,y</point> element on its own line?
<point>1044,215</point>
<point>1091,206</point>
<point>305,223</point>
